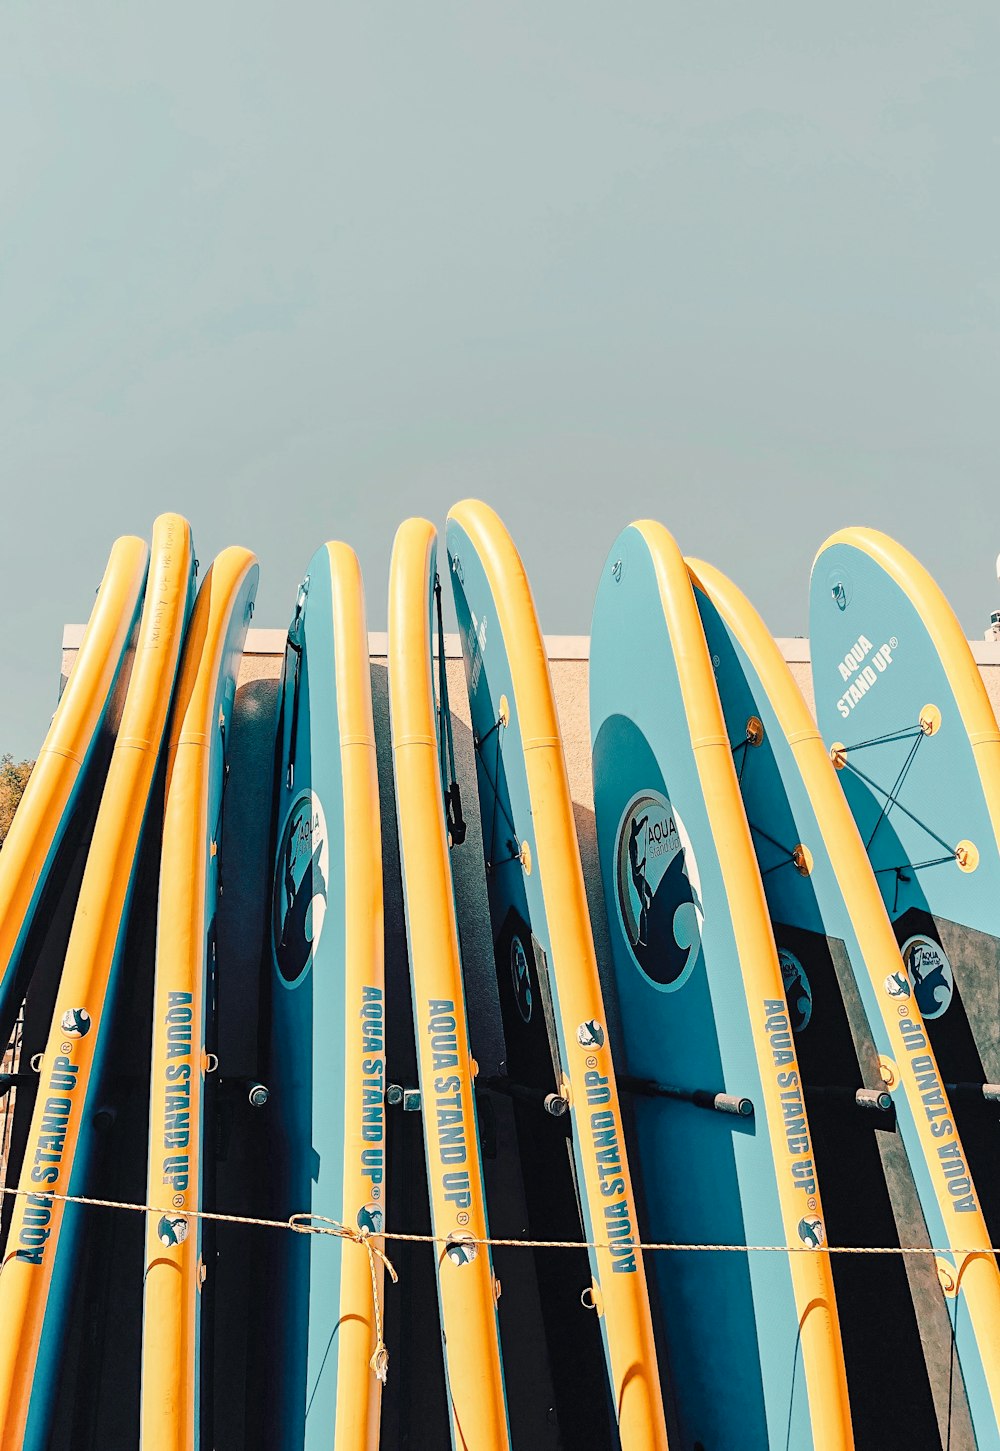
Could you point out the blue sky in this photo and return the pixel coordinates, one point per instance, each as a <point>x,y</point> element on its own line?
<point>301,271</point>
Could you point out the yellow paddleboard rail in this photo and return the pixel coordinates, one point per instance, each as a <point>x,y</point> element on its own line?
<point>359,1391</point>
<point>628,1322</point>
<point>819,1325</point>
<point>69,736</point>
<point>69,1053</point>
<point>170,1371</point>
<point>467,1291</point>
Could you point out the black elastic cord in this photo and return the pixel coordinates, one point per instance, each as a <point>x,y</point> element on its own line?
<point>891,798</point>
<point>446,742</point>
<point>495,788</point>
<point>217,835</point>
<point>900,735</point>
<point>915,819</point>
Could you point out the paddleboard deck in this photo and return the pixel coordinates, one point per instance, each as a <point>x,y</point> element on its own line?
<point>720,1132</point>
<point>178,1280</point>
<point>903,710</point>
<point>885,1181</point>
<point>575,1166</point>
<point>327,1019</point>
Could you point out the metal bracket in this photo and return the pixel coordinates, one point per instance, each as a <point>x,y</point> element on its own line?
<point>554,1104</point>
<point>871,1100</point>
<point>737,1104</point>
<point>974,1092</point>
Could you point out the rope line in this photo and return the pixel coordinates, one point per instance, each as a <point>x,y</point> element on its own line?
<point>305,1222</point>
<point>298,1224</point>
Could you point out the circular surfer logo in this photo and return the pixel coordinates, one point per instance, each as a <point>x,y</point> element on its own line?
<point>930,974</point>
<point>301,877</point>
<point>520,975</point>
<point>172,1230</point>
<point>461,1249</point>
<point>75,1023</point>
<point>658,890</point>
<point>811,1231</point>
<point>371,1218</point>
<point>798,993</point>
<point>897,985</point>
<point>590,1034</point>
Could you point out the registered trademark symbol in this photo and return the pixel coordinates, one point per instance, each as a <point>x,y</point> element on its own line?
<point>65,1047</point>
<point>811,1203</point>
<point>462,1218</point>
<point>178,1200</point>
<point>903,1011</point>
<point>715,662</point>
<point>376,1191</point>
<point>591,1061</point>
<point>893,642</point>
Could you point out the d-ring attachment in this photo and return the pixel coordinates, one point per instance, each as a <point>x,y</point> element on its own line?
<point>591,1298</point>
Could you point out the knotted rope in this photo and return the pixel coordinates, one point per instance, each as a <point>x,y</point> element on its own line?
<point>379,1361</point>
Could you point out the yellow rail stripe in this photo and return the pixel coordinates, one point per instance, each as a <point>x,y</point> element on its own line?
<point>634,1371</point>
<point>819,1325</point>
<point>65,746</point>
<point>93,939</point>
<point>467,1292</point>
<point>359,1391</point>
<point>173,1272</point>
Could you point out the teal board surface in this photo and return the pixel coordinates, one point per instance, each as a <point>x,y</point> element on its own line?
<point>877,1188</point>
<point>915,797</point>
<point>703,1177</point>
<point>528,1003</point>
<point>306,945</point>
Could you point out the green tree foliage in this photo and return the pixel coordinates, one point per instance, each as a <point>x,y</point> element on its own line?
<point>13,779</point>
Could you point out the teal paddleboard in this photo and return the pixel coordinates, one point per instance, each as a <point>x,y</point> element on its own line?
<point>559,1070</point>
<point>327,1041</point>
<point>886,1175</point>
<point>903,711</point>
<point>720,1131</point>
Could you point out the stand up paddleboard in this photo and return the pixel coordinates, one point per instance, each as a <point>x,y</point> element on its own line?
<point>554,1021</point>
<point>327,1019</point>
<point>887,1167</point>
<point>467,1290</point>
<point>904,712</point>
<point>720,1132</point>
<point>37,1277</point>
<point>69,769</point>
<point>190,880</point>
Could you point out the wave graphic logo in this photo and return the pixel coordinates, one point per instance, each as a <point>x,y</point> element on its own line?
<point>658,891</point>
<point>301,883</point>
<point>930,974</point>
